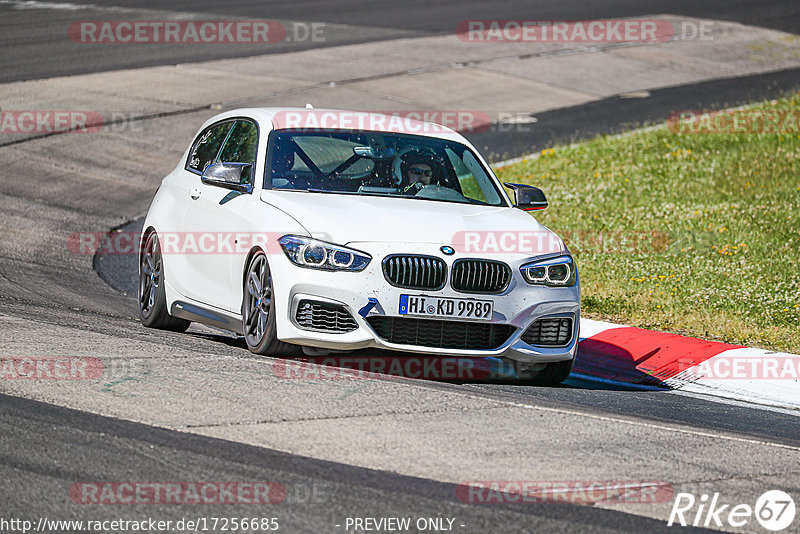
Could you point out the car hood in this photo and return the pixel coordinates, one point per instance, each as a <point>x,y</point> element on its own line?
<point>347,219</point>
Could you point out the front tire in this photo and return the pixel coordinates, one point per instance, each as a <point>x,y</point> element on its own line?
<point>553,374</point>
<point>258,310</point>
<point>152,295</point>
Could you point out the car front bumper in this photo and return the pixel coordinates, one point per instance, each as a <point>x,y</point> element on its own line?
<point>519,305</point>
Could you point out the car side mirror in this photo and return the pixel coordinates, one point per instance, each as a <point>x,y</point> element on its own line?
<point>527,197</point>
<point>234,176</point>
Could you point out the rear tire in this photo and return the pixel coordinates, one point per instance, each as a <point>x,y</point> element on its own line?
<point>258,311</point>
<point>152,296</point>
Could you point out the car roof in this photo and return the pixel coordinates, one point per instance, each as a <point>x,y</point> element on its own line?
<point>339,119</point>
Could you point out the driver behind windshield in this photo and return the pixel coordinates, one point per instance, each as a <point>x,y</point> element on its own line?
<point>418,170</point>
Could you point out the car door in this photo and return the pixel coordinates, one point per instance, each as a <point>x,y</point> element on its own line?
<point>180,187</point>
<point>213,219</point>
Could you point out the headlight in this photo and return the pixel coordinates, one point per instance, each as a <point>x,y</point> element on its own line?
<point>315,254</point>
<point>555,272</point>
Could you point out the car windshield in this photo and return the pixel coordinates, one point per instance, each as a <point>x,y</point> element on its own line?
<point>379,163</point>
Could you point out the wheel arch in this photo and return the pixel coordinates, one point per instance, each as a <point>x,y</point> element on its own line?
<point>250,254</point>
<point>142,240</point>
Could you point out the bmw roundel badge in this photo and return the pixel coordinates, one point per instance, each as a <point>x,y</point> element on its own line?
<point>448,250</point>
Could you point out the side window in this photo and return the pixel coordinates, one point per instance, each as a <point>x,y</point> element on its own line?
<point>206,147</point>
<point>241,146</point>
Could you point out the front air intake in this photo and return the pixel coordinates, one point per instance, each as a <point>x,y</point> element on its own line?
<point>463,335</point>
<point>549,332</point>
<point>324,317</point>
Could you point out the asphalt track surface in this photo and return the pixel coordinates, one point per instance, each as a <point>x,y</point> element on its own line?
<point>319,494</point>
<point>44,448</point>
<point>32,47</point>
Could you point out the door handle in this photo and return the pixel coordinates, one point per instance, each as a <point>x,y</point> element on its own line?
<point>194,193</point>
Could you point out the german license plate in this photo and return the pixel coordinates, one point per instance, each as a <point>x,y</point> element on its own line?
<point>422,305</point>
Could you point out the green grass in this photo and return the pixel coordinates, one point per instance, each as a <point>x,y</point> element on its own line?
<point>697,234</point>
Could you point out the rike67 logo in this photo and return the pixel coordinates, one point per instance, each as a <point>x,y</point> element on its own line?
<point>774,510</point>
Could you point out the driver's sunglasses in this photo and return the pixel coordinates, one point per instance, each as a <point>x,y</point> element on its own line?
<point>420,172</point>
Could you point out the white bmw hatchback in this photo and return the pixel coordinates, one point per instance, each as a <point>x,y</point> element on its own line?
<point>327,230</point>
